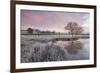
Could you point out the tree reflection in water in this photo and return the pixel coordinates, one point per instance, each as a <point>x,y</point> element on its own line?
<point>73,47</point>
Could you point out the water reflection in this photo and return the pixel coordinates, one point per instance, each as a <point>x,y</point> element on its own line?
<point>74,47</point>
<point>76,50</point>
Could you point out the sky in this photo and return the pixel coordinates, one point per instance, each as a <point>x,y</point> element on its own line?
<point>53,20</point>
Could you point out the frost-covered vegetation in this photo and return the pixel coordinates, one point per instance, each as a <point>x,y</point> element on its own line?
<point>40,50</point>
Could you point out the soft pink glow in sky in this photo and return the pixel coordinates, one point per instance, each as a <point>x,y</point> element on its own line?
<point>52,21</point>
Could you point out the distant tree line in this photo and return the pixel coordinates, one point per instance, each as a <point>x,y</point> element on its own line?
<point>37,31</point>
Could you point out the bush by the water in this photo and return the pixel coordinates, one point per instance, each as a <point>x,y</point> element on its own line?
<point>42,53</point>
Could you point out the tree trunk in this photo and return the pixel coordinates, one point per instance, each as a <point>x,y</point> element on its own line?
<point>72,42</point>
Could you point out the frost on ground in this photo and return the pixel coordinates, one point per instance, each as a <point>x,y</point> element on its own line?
<point>42,52</point>
<point>35,51</point>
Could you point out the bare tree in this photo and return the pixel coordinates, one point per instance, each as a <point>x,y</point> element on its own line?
<point>74,28</point>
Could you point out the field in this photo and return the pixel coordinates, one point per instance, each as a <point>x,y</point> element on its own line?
<point>43,48</point>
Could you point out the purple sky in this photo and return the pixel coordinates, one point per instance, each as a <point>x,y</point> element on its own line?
<point>53,21</point>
